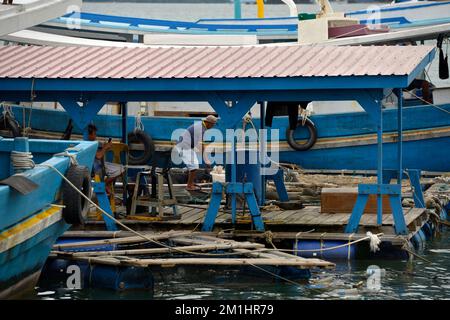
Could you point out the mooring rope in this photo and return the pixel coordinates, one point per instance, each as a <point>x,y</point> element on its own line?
<point>130,229</point>
<point>430,104</point>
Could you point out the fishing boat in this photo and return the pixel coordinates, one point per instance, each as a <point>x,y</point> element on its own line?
<point>409,14</point>
<point>36,205</point>
<point>325,141</point>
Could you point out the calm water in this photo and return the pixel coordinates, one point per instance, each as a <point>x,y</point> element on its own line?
<point>402,279</point>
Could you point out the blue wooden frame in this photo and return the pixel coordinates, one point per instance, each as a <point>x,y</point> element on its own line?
<point>243,93</point>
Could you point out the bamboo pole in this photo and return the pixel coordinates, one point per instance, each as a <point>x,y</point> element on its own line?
<point>233,262</point>
<point>201,247</point>
<point>138,239</point>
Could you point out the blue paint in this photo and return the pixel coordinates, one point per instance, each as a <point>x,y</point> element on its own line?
<point>28,256</point>
<point>329,126</point>
<point>103,202</point>
<point>15,206</point>
<point>248,169</point>
<point>117,278</point>
<point>142,89</point>
<point>260,27</point>
<point>346,252</point>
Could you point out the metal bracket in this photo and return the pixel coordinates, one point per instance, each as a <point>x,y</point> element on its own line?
<point>82,116</point>
<point>232,188</point>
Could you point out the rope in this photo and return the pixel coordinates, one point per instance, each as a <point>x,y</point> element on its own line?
<point>138,125</point>
<point>374,241</point>
<point>335,247</point>
<point>349,252</point>
<point>274,274</point>
<point>22,161</point>
<point>7,110</point>
<point>71,156</point>
<point>128,228</point>
<point>430,104</point>
<point>405,247</point>
<point>27,128</point>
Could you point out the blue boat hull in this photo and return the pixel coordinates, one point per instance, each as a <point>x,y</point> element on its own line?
<point>31,223</point>
<point>21,266</point>
<point>345,140</point>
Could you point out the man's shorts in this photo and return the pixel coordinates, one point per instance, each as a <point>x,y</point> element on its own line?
<point>189,158</point>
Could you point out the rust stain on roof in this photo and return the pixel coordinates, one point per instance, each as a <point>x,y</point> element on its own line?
<point>207,62</point>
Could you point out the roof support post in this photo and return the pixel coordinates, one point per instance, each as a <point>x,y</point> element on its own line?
<point>371,102</point>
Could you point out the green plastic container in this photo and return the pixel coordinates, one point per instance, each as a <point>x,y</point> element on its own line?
<point>306,16</point>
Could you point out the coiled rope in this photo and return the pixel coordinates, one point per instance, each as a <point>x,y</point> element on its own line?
<point>22,161</point>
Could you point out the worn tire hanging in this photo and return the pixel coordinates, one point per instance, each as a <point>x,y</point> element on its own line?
<point>76,207</point>
<point>139,136</point>
<point>312,136</point>
<point>8,122</point>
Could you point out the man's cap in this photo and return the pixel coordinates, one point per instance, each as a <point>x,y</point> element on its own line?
<point>211,119</point>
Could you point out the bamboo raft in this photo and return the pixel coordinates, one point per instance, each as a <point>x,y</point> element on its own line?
<point>186,248</point>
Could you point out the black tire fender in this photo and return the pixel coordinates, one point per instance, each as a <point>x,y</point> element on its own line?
<point>11,124</point>
<point>76,207</point>
<point>139,136</point>
<point>312,136</point>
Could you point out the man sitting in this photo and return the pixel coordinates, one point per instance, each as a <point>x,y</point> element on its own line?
<point>105,170</point>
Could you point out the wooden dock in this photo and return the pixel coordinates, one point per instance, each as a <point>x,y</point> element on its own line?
<point>306,223</point>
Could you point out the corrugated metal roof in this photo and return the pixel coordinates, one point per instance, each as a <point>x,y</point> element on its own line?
<point>208,62</point>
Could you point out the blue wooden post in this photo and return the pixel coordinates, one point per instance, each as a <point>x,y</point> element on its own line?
<point>124,109</point>
<point>85,134</point>
<point>380,165</point>
<point>400,136</point>
<point>414,179</point>
<point>374,108</point>
<point>103,202</point>
<point>21,144</point>
<point>233,177</point>
<point>237,9</point>
<point>262,152</point>
<point>213,207</point>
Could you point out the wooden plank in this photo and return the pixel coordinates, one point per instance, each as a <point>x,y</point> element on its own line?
<point>343,199</point>
<point>195,216</point>
<point>190,214</point>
